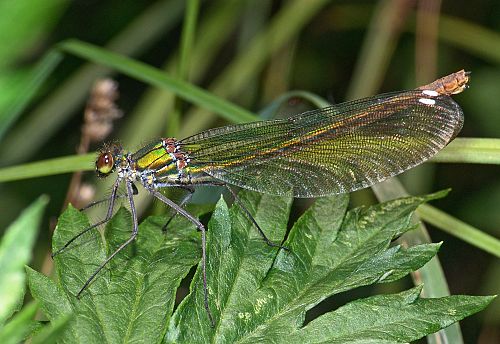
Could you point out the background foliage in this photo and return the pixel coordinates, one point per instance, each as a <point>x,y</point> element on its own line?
<point>250,53</point>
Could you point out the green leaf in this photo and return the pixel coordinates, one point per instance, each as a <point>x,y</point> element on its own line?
<point>238,260</point>
<point>257,293</point>
<point>15,252</point>
<point>396,318</point>
<point>53,332</point>
<point>132,298</point>
<point>53,302</point>
<point>256,300</point>
<point>158,78</point>
<point>19,326</point>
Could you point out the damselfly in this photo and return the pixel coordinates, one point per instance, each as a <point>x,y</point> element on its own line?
<point>333,150</point>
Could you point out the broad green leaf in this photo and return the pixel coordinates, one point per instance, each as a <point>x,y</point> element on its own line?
<point>238,260</point>
<point>15,252</point>
<point>331,251</point>
<point>257,293</point>
<point>132,298</point>
<point>396,318</point>
<point>53,302</point>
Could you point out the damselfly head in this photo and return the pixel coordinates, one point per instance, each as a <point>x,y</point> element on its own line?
<point>105,164</point>
<point>106,160</point>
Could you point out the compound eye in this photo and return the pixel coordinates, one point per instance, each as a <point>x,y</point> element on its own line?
<point>105,164</point>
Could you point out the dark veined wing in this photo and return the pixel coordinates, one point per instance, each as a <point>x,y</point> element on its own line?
<point>332,150</point>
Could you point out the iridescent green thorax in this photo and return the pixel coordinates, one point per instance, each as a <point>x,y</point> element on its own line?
<point>152,156</point>
<point>163,160</point>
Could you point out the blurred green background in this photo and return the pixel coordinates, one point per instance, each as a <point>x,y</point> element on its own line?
<point>250,53</point>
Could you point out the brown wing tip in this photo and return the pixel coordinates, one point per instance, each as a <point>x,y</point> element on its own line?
<point>450,84</point>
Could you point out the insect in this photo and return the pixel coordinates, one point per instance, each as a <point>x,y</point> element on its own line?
<point>332,150</point>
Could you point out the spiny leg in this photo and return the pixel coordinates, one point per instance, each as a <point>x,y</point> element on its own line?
<point>109,214</point>
<point>245,210</point>
<point>251,218</point>
<point>135,229</point>
<point>182,203</point>
<point>201,227</point>
<point>93,204</point>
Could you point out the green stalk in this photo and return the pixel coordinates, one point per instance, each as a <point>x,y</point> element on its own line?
<point>184,62</point>
<point>471,151</point>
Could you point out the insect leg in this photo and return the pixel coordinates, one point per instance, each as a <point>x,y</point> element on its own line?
<point>93,204</point>
<point>245,210</point>
<point>109,213</point>
<point>251,218</point>
<point>181,204</point>
<point>135,229</point>
<point>201,227</point>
